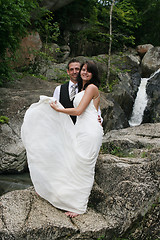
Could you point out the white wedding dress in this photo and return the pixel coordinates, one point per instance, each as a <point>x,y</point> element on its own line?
<point>62,156</point>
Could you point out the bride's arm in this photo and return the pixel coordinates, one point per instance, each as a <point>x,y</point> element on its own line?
<point>90,92</point>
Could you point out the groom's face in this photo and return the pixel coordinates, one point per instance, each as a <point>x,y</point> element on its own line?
<point>73,71</point>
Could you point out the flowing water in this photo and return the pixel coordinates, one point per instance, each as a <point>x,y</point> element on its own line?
<point>140,102</point>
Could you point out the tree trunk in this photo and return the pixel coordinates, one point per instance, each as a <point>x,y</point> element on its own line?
<point>110,42</point>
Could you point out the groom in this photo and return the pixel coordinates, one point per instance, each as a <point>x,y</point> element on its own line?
<point>65,92</point>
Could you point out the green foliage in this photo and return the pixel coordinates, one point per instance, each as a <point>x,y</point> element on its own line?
<point>112,84</point>
<point>87,12</point>
<point>148,12</point>
<point>125,23</point>
<point>14,20</point>
<point>4,119</point>
<point>101,237</point>
<point>96,21</point>
<point>133,22</point>
<point>5,71</point>
<point>144,154</point>
<point>49,32</point>
<point>97,26</point>
<point>47,27</point>
<point>39,76</point>
<point>119,150</point>
<point>62,76</point>
<point>112,149</point>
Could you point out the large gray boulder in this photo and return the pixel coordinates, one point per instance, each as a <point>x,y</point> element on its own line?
<point>152,111</point>
<point>27,216</point>
<point>125,189</point>
<point>151,61</point>
<point>142,49</point>
<point>51,71</point>
<point>112,113</point>
<point>14,101</point>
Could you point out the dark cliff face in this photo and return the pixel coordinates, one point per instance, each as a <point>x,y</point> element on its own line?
<point>152,111</point>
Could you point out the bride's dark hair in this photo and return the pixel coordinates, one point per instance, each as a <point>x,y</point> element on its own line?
<point>92,68</point>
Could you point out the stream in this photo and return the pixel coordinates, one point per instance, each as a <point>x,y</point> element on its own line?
<point>11,182</point>
<point>140,102</point>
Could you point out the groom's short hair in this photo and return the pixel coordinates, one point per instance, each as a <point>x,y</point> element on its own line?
<point>72,61</point>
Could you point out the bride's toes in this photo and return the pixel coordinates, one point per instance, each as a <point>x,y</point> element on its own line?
<point>67,213</point>
<point>71,214</point>
<point>74,215</point>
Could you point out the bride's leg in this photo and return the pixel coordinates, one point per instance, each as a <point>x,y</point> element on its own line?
<point>71,214</point>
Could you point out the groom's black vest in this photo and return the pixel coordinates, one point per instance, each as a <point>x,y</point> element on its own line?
<point>65,100</point>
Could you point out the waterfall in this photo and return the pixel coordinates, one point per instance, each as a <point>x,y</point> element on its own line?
<point>140,102</point>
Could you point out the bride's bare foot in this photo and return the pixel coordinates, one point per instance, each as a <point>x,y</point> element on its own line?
<point>37,194</point>
<point>71,214</point>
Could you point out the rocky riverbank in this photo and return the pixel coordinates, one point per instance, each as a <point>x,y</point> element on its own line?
<point>126,189</point>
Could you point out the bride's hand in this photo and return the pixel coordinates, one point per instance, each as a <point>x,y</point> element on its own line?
<point>54,105</point>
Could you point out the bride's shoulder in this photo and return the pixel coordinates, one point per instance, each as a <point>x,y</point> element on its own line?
<point>92,88</point>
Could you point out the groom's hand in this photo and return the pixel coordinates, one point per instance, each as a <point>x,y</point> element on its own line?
<point>99,119</point>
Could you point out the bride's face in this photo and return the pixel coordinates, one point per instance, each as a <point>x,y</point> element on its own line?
<point>85,75</point>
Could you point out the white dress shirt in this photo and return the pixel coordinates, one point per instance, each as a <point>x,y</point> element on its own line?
<point>56,93</point>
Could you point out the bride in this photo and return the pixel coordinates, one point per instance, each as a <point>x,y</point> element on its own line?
<point>62,156</point>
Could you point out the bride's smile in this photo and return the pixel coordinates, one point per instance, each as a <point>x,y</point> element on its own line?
<point>85,75</point>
